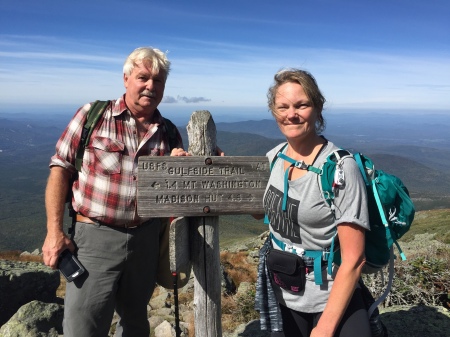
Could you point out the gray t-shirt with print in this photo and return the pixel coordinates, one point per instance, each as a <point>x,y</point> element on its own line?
<point>308,222</point>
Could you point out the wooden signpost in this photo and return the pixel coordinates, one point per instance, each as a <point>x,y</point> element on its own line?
<point>201,188</point>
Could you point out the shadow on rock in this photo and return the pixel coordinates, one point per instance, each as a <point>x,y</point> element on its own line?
<point>401,321</point>
<point>416,321</point>
<point>251,329</point>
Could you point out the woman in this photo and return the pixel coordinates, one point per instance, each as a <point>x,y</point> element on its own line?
<point>301,220</point>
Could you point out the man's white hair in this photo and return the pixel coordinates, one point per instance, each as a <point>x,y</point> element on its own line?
<point>153,56</point>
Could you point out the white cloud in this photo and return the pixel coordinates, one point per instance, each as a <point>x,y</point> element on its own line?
<point>228,75</point>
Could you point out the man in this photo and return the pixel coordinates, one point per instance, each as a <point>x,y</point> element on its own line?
<point>118,249</point>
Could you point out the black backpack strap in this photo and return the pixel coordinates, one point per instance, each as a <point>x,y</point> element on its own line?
<point>93,115</point>
<point>172,133</point>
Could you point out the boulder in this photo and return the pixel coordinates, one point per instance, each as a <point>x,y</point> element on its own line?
<point>23,282</point>
<point>35,319</point>
<point>164,330</point>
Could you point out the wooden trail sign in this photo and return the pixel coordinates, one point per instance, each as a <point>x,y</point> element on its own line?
<point>201,186</point>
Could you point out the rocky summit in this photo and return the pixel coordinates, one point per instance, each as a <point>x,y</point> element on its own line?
<point>29,305</point>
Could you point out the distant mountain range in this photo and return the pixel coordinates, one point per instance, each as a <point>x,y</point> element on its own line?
<point>415,148</point>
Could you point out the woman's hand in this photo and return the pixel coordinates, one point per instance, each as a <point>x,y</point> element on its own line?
<point>317,333</point>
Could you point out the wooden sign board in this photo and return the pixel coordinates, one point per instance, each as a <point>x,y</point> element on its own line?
<point>201,186</point>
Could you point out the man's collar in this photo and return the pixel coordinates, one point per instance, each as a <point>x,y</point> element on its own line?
<point>120,107</point>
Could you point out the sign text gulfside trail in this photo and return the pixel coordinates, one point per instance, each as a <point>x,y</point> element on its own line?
<point>201,186</point>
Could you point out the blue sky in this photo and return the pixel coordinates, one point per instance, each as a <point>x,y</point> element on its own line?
<point>385,54</point>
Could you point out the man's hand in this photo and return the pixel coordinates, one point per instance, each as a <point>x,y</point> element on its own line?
<point>219,152</point>
<point>54,245</point>
<point>179,152</point>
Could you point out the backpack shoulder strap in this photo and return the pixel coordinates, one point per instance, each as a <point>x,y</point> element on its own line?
<point>93,115</point>
<point>327,178</point>
<point>359,160</point>
<point>282,148</point>
<point>272,164</point>
<point>294,163</point>
<point>171,130</point>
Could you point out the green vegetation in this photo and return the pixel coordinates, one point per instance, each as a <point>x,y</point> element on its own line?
<point>239,308</point>
<point>237,228</point>
<point>423,279</point>
<point>435,222</point>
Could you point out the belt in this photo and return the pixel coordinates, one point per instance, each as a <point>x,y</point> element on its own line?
<point>128,225</point>
<point>318,257</point>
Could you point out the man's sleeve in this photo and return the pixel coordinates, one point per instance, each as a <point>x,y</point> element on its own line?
<point>67,145</point>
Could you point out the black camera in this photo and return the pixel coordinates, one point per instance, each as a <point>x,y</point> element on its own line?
<point>69,266</point>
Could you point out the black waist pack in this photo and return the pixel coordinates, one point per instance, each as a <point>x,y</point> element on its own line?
<point>287,270</point>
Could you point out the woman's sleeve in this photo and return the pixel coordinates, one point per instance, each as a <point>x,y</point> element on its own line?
<point>351,198</point>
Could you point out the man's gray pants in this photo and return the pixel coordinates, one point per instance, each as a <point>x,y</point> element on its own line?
<point>120,275</point>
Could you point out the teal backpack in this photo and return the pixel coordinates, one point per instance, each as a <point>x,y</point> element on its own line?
<point>391,212</point>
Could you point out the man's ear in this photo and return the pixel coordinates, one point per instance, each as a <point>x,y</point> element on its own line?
<point>125,80</point>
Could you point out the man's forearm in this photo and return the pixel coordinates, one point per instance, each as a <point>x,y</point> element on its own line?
<point>55,197</point>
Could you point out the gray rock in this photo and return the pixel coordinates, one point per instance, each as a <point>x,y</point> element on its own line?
<point>187,316</point>
<point>251,329</point>
<point>155,321</point>
<point>164,330</point>
<point>163,312</point>
<point>159,301</point>
<point>244,288</point>
<point>23,282</point>
<point>35,252</point>
<point>35,319</point>
<point>416,321</point>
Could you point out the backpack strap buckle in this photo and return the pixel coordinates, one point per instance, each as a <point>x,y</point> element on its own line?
<point>301,165</point>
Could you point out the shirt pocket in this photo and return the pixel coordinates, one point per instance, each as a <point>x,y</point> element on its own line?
<point>106,155</point>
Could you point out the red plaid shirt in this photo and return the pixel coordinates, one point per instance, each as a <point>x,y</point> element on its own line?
<point>106,188</point>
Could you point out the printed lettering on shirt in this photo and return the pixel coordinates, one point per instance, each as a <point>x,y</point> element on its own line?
<point>284,223</point>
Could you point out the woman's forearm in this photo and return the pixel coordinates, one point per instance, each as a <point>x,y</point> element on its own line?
<point>351,238</point>
<point>340,296</point>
